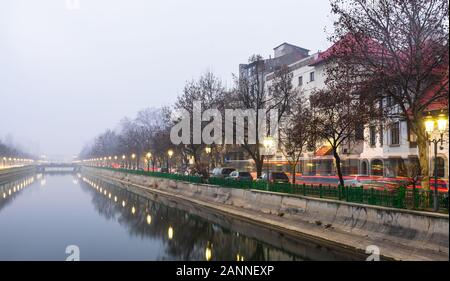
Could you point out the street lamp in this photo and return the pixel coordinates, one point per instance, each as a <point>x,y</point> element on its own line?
<point>148,156</point>
<point>133,156</point>
<point>268,143</point>
<point>170,153</point>
<point>170,232</point>
<point>208,152</point>
<point>208,251</point>
<point>429,128</point>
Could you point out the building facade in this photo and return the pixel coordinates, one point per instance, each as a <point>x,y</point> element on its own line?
<point>385,150</point>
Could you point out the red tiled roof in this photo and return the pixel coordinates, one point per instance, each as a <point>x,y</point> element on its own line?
<point>342,46</point>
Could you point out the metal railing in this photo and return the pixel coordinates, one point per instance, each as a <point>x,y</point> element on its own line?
<point>402,198</point>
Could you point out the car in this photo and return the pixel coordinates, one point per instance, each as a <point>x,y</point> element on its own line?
<point>276,177</point>
<point>238,175</point>
<point>222,172</point>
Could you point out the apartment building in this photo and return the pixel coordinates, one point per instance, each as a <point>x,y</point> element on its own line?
<point>380,149</point>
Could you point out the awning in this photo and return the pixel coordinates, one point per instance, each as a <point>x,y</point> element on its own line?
<point>323,151</point>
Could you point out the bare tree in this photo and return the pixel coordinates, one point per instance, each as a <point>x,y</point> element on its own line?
<point>251,92</point>
<point>131,140</point>
<point>151,123</point>
<point>209,91</point>
<point>339,113</point>
<point>10,150</point>
<point>399,48</point>
<point>296,132</point>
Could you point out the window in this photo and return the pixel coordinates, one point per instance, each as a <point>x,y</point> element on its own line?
<point>389,101</point>
<point>377,167</point>
<point>311,76</point>
<point>440,167</point>
<point>364,168</point>
<point>359,132</point>
<point>381,135</point>
<point>395,133</point>
<point>373,139</point>
<point>300,80</point>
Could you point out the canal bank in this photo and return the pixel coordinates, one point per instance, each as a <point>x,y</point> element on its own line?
<point>278,245</point>
<point>7,174</point>
<point>398,234</point>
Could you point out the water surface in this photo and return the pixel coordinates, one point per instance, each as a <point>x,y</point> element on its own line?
<point>42,214</point>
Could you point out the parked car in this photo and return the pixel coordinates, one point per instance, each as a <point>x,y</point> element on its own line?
<point>275,177</point>
<point>237,175</point>
<point>222,172</point>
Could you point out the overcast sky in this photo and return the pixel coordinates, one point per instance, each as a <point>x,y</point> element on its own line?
<point>66,74</point>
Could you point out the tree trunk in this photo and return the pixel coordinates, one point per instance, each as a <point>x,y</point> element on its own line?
<point>338,166</point>
<point>422,145</point>
<point>259,166</point>
<point>293,173</point>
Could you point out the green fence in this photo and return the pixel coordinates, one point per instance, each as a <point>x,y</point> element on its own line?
<point>193,179</point>
<point>396,198</point>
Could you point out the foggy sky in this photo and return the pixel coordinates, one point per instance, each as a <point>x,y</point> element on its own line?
<point>66,75</point>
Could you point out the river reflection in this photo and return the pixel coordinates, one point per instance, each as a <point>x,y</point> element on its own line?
<point>109,221</point>
<point>12,187</point>
<point>183,235</point>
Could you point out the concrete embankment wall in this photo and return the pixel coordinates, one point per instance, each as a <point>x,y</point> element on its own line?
<point>6,174</point>
<point>400,234</point>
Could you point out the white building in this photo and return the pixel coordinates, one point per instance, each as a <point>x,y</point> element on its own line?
<point>382,150</point>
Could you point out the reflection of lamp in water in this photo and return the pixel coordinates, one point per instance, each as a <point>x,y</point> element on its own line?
<point>4,196</point>
<point>109,195</point>
<point>133,210</point>
<point>115,198</point>
<point>149,219</point>
<point>123,203</point>
<point>43,182</point>
<point>208,252</point>
<point>170,232</point>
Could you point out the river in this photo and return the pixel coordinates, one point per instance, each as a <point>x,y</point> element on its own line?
<point>41,215</point>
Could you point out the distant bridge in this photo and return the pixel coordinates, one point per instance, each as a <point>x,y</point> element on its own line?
<point>58,168</point>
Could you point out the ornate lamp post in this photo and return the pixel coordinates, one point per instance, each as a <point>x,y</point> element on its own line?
<point>148,156</point>
<point>123,160</point>
<point>133,156</point>
<point>170,154</point>
<point>208,152</point>
<point>429,128</point>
